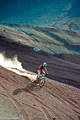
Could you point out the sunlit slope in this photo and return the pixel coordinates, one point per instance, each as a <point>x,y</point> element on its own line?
<point>54,100</point>
<point>51,40</point>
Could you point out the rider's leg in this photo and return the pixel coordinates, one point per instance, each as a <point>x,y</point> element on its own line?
<point>38,72</point>
<point>43,72</point>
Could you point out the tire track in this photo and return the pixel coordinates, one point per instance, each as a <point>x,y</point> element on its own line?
<point>43,107</point>
<point>46,110</point>
<point>63,99</point>
<point>16,104</point>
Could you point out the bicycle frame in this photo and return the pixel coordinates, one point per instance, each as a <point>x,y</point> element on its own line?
<point>41,79</point>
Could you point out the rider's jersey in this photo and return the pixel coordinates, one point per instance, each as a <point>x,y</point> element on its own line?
<point>40,68</point>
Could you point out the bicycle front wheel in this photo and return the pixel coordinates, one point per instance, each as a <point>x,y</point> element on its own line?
<point>42,82</point>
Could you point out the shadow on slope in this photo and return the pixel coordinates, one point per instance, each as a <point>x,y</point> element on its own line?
<point>30,87</point>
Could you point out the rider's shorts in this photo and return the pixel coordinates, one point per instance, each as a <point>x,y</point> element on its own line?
<point>40,72</point>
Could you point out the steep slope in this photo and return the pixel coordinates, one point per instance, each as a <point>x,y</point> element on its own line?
<point>54,100</point>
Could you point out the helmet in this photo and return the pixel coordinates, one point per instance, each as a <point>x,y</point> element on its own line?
<point>44,64</point>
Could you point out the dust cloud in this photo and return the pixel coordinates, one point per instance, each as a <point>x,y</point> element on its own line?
<point>13,64</point>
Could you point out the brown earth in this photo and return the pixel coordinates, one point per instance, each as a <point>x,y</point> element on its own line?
<point>59,98</point>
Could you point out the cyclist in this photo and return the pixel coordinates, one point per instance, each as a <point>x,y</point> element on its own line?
<point>42,69</point>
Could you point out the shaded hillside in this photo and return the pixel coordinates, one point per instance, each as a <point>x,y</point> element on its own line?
<point>59,70</point>
<point>69,57</point>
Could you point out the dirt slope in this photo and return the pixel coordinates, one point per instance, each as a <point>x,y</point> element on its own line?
<point>54,100</point>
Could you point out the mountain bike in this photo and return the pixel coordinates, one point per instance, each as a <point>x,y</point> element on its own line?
<point>40,80</point>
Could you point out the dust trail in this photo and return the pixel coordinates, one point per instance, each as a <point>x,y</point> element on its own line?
<point>14,65</point>
<point>10,63</point>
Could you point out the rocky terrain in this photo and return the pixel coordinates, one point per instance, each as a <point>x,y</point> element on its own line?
<point>47,39</point>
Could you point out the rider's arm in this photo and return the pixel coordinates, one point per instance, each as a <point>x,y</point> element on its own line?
<point>40,65</point>
<point>45,69</point>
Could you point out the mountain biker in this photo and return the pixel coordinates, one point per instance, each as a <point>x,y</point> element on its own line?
<point>42,69</point>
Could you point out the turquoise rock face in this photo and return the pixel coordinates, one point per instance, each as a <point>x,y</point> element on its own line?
<point>40,12</point>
